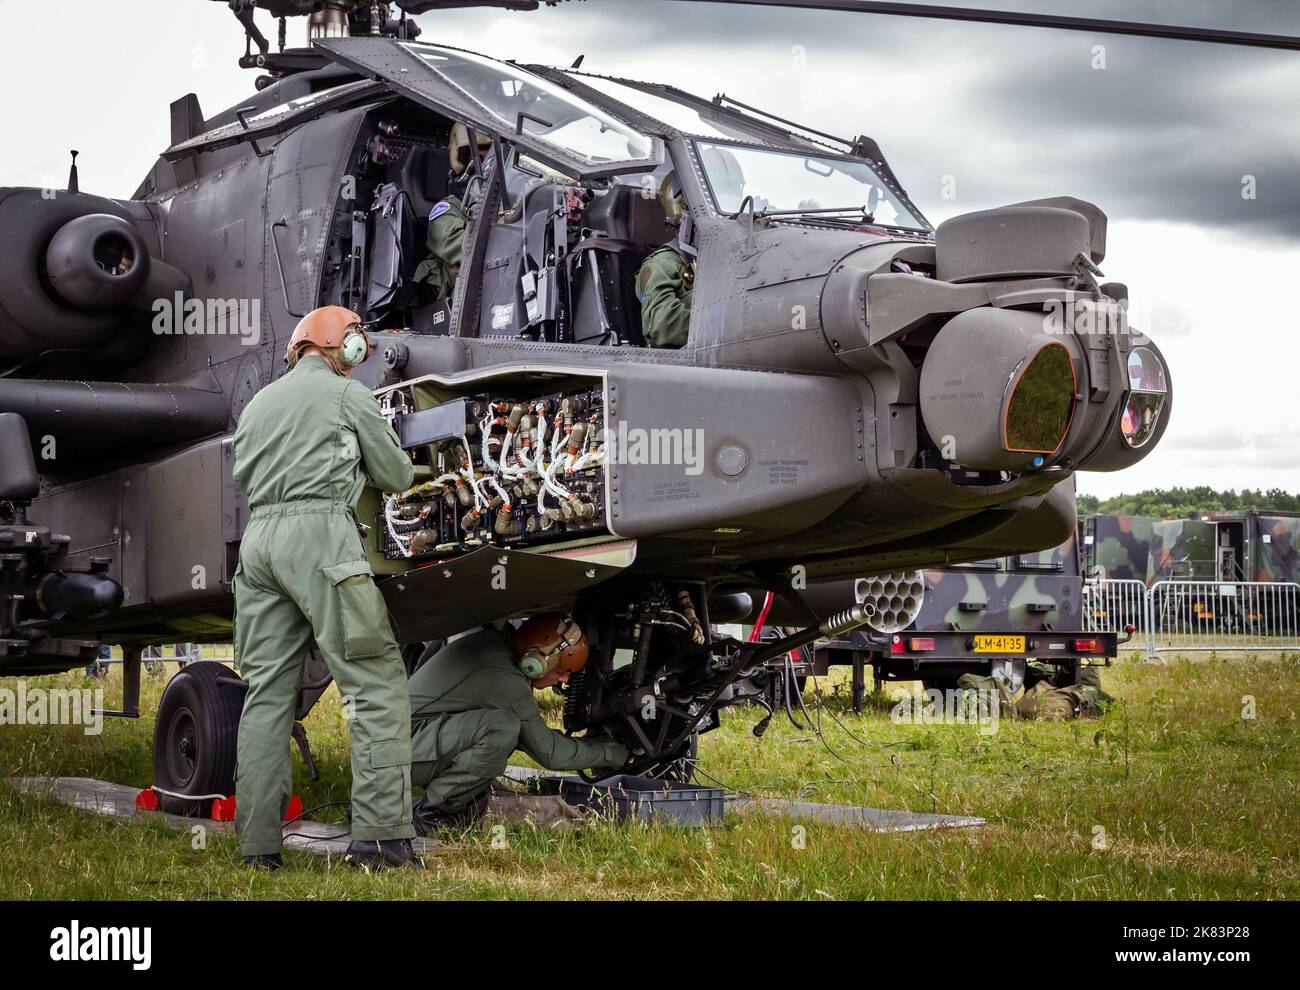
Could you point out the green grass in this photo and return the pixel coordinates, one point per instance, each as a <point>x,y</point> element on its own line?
<point>1195,802</point>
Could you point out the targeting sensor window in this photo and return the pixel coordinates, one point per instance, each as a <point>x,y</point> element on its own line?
<point>1042,403</point>
<point>1148,389</point>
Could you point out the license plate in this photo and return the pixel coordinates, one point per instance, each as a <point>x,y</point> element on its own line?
<point>999,644</point>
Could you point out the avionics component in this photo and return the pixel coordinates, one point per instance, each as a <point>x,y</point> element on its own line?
<point>1042,401</point>
<point>506,470</point>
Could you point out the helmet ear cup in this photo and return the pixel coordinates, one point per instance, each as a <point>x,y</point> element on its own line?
<point>550,642</point>
<point>532,665</point>
<point>356,348</point>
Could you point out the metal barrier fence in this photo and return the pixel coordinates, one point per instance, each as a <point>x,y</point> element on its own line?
<point>154,657</point>
<point>1196,616</point>
<point>1113,606</point>
<point>1205,616</point>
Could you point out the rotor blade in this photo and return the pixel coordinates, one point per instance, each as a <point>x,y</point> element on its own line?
<point>1061,22</point>
<point>424,6</point>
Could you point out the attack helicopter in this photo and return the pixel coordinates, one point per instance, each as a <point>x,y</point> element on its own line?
<point>861,392</point>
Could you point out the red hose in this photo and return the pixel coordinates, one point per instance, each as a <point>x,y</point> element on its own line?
<point>762,618</point>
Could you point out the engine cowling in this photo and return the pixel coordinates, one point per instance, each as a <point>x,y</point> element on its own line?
<point>77,272</point>
<point>97,263</point>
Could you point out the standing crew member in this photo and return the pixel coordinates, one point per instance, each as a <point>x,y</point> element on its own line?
<point>473,706</point>
<point>305,448</point>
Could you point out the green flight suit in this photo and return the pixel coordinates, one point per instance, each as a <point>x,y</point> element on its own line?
<point>664,287</point>
<point>1087,691</point>
<point>989,686</point>
<point>1049,704</point>
<point>305,448</point>
<point>446,246</point>
<point>472,707</point>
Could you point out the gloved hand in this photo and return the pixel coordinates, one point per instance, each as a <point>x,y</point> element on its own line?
<point>616,754</point>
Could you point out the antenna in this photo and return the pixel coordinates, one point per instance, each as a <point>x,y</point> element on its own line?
<point>74,183</point>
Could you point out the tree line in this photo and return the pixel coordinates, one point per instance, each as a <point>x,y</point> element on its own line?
<point>1178,503</point>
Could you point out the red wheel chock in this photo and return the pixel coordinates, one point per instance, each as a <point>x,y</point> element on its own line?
<point>223,809</point>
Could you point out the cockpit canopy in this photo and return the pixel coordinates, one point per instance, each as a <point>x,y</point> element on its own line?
<point>587,127</point>
<point>523,102</point>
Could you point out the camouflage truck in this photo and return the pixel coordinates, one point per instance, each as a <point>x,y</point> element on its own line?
<point>1253,545</point>
<point>1238,545</point>
<point>982,618</point>
<point>1218,547</point>
<point>1118,548</point>
<point>1182,550</point>
<point>1121,548</point>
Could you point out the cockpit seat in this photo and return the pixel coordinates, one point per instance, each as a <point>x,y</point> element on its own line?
<point>624,227</point>
<point>626,214</point>
<point>392,236</point>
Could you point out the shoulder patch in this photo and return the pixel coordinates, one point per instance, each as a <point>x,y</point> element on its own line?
<point>439,210</point>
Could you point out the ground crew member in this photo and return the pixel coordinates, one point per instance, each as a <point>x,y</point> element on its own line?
<point>1048,699</point>
<point>447,220</point>
<point>472,706</point>
<point>666,279</point>
<point>306,446</point>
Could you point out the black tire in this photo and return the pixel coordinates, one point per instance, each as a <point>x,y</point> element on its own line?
<point>416,655</point>
<point>195,736</point>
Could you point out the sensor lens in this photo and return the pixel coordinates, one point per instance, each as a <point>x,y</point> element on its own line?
<point>1041,405</point>
<point>1141,414</point>
<point>1147,391</point>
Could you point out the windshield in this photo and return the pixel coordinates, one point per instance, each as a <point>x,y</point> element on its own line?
<point>781,181</point>
<point>679,116</point>
<point>551,113</point>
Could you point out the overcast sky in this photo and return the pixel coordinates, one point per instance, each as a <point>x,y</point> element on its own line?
<point>1163,135</point>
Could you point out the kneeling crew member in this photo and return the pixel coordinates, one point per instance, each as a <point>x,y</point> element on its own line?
<point>306,446</point>
<point>472,706</point>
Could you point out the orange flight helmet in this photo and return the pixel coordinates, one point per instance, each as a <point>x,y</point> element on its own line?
<point>550,642</point>
<point>330,327</point>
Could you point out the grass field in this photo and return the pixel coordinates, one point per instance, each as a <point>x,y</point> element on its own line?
<point>1171,794</point>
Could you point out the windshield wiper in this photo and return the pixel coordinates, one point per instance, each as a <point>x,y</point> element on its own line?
<point>820,211</point>
<point>842,221</point>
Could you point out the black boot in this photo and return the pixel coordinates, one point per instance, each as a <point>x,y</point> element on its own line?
<point>475,810</point>
<point>267,861</point>
<point>427,819</point>
<point>382,854</point>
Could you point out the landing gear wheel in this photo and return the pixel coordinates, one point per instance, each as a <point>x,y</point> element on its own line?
<point>195,736</point>
<point>416,655</point>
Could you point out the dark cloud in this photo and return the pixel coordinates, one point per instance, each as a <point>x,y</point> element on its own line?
<point>1168,130</point>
